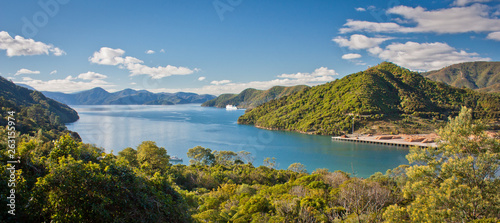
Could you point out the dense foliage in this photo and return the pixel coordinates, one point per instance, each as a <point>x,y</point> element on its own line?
<point>481,76</point>
<point>66,180</point>
<point>250,97</point>
<point>382,95</point>
<point>99,96</point>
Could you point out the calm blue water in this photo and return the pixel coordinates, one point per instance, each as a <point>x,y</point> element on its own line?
<point>181,127</point>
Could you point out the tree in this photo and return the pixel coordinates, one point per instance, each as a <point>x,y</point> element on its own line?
<point>360,197</point>
<point>200,156</point>
<point>150,156</point>
<point>225,158</point>
<point>270,162</point>
<point>246,156</point>
<point>455,182</point>
<point>297,167</point>
<point>130,155</point>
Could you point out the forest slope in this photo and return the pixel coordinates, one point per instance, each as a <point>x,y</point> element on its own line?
<point>481,76</point>
<point>250,97</point>
<point>381,96</point>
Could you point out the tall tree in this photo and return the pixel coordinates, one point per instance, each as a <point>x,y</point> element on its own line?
<point>200,156</point>
<point>456,182</point>
<point>150,156</point>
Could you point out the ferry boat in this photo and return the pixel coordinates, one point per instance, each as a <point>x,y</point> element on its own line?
<point>231,107</point>
<point>175,158</point>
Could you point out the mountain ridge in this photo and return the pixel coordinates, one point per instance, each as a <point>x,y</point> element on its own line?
<point>480,75</point>
<point>99,96</point>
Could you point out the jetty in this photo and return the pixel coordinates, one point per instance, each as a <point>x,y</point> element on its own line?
<point>384,140</point>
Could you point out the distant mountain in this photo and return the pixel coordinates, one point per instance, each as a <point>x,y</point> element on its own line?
<point>250,97</point>
<point>99,96</point>
<point>33,110</point>
<point>26,86</point>
<point>385,98</point>
<point>481,76</point>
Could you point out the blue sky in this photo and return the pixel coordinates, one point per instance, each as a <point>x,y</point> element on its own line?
<point>225,46</point>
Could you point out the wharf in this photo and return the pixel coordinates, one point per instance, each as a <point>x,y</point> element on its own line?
<point>391,142</point>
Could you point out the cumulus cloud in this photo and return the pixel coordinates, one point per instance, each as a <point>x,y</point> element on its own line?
<point>358,41</point>
<point>150,52</point>
<point>66,85</point>
<point>202,78</point>
<point>19,46</point>
<point>360,9</point>
<point>157,72</point>
<point>355,25</point>
<point>109,56</point>
<point>53,72</point>
<point>92,76</point>
<point>424,56</point>
<point>467,2</point>
<point>26,71</point>
<point>474,18</point>
<point>351,56</point>
<point>220,82</point>
<point>494,36</point>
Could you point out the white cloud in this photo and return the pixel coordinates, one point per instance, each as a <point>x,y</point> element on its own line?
<point>92,76</point>
<point>157,72</point>
<point>162,51</point>
<point>494,36</point>
<point>53,72</point>
<point>133,83</point>
<point>360,9</point>
<point>220,82</point>
<point>109,56</point>
<point>467,2</point>
<point>19,46</point>
<point>358,41</point>
<point>150,52</point>
<point>66,85</point>
<point>351,56</point>
<point>354,25</point>
<point>202,78</point>
<point>319,76</point>
<point>26,71</point>
<point>474,18</point>
<point>424,56</point>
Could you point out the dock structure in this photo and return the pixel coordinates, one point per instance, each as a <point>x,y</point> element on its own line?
<point>388,142</point>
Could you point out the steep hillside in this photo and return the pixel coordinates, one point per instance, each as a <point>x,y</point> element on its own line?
<point>99,96</point>
<point>481,76</point>
<point>33,110</point>
<point>383,98</point>
<point>250,97</point>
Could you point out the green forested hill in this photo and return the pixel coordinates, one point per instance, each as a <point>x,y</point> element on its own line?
<point>382,96</point>
<point>481,76</point>
<point>34,110</point>
<point>250,97</point>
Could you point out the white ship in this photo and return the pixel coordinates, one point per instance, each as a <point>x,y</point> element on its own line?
<point>231,107</point>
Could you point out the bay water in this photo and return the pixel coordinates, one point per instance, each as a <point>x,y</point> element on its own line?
<point>178,128</point>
